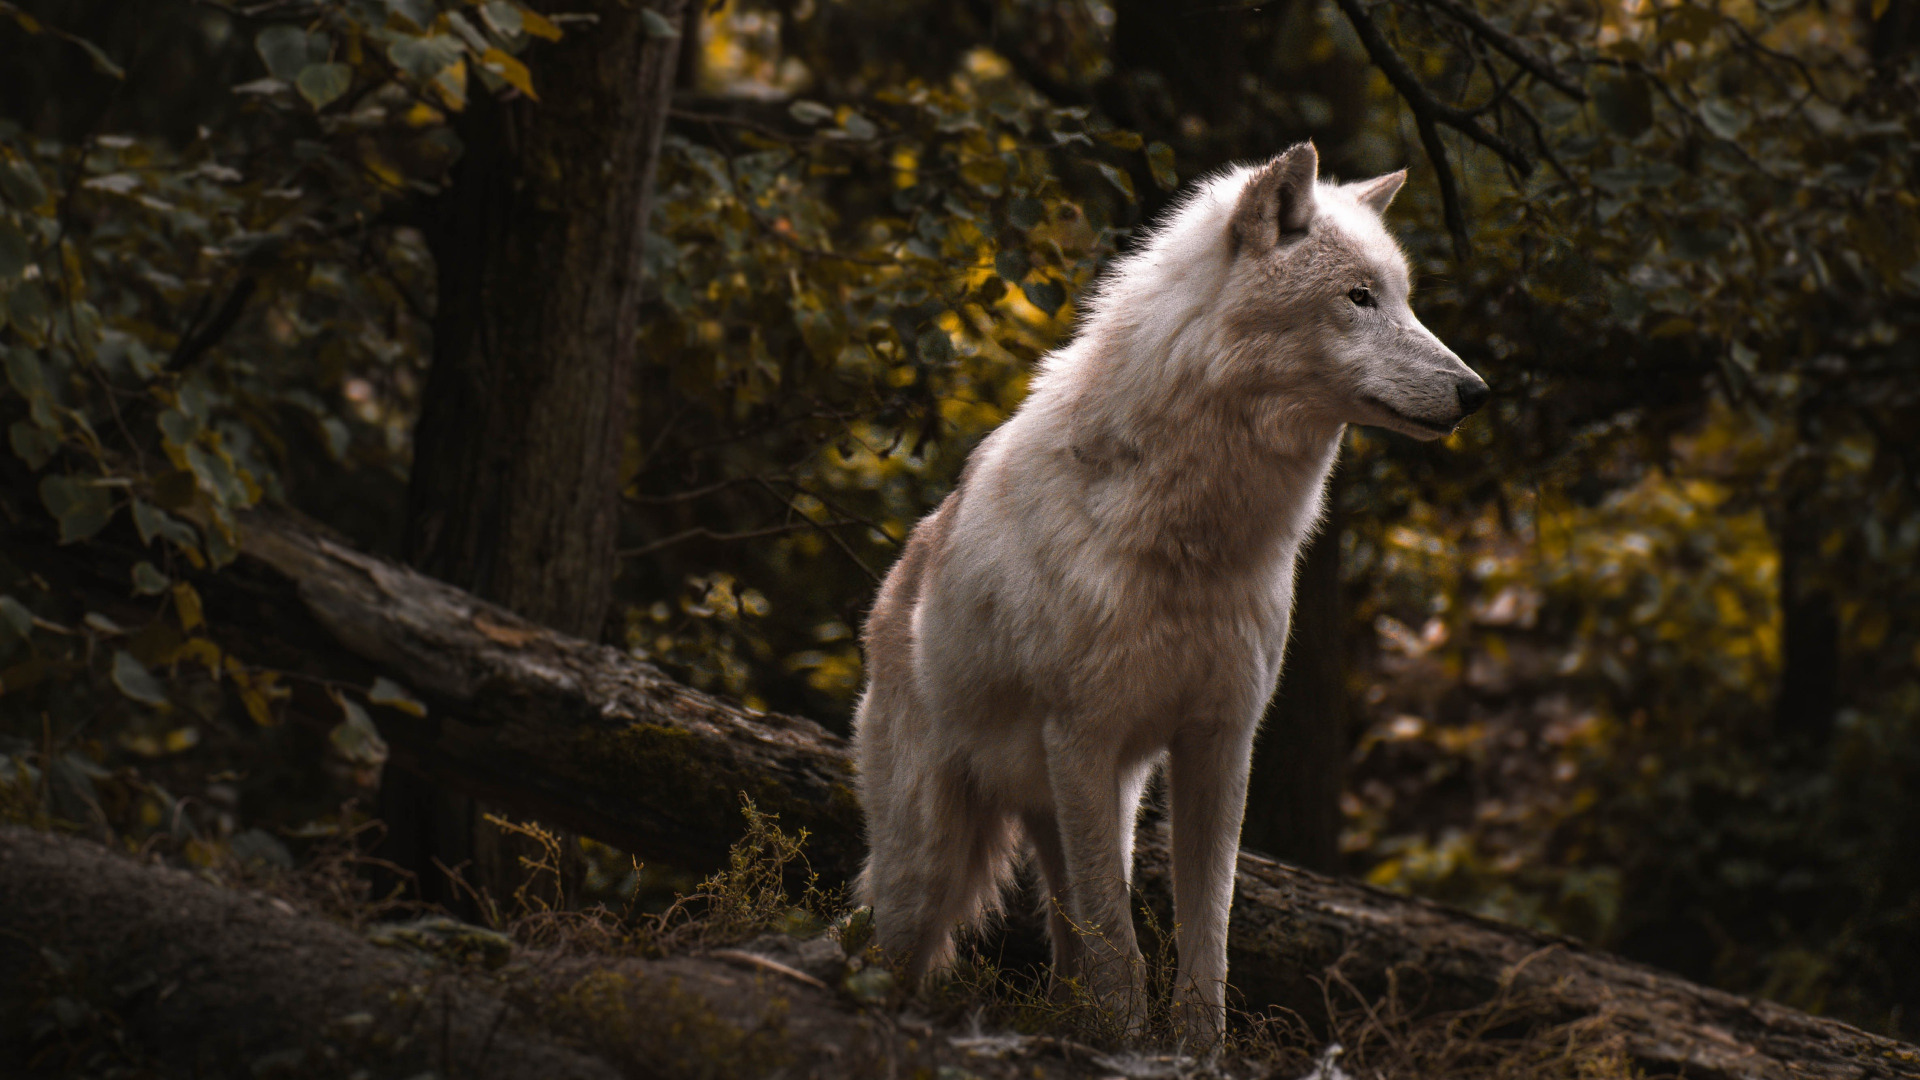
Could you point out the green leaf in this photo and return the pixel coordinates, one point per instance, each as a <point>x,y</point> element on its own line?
<point>1722,118</point>
<point>418,12</point>
<point>657,25</point>
<point>136,682</point>
<point>355,738</point>
<point>31,444</point>
<point>934,346</point>
<point>1160,161</point>
<point>287,50</point>
<point>1118,178</point>
<point>148,580</point>
<point>15,619</point>
<point>1025,212</point>
<point>178,428</point>
<point>1045,295</point>
<point>82,508</point>
<point>425,57</point>
<point>1624,104</point>
<point>323,84</point>
<point>1011,264</point>
<point>859,127</point>
<point>503,17</point>
<point>25,374</point>
<point>15,254</point>
<point>21,185</point>
<point>394,696</point>
<point>27,310</point>
<point>809,112</point>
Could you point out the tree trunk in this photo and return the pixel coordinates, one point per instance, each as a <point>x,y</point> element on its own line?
<point>589,738</point>
<point>1809,697</point>
<point>515,489</point>
<point>515,485</point>
<point>1300,762</point>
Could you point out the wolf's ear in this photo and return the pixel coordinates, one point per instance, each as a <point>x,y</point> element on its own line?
<point>1277,203</point>
<point>1376,193</point>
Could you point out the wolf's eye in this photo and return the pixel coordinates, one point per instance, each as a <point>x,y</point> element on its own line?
<point>1361,295</point>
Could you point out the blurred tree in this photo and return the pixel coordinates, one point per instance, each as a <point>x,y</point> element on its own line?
<point>514,493</point>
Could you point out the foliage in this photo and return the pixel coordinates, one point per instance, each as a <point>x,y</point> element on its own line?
<point>1692,282</point>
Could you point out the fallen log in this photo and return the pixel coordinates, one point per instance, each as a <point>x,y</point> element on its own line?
<point>588,738</point>
<point>112,966</point>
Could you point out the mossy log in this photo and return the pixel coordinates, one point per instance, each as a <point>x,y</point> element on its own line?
<point>110,965</point>
<point>587,737</point>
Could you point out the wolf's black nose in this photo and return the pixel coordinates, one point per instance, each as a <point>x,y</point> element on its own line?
<point>1473,394</point>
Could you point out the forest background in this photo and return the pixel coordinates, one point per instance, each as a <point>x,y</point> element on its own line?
<point>1632,657</point>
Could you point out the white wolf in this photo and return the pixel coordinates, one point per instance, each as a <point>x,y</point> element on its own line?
<point>1110,583</point>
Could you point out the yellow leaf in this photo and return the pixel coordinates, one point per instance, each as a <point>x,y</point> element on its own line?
<point>512,70</point>
<point>187,603</point>
<point>451,85</point>
<point>1880,8</point>
<point>536,24</point>
<point>423,115</point>
<point>257,706</point>
<point>206,652</point>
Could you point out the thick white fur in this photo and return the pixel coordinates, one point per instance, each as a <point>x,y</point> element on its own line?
<point>1110,585</point>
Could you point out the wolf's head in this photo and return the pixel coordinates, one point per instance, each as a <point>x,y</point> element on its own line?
<point>1319,290</point>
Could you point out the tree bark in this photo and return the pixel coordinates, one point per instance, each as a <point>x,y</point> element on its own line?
<point>158,965</point>
<point>589,738</point>
<point>515,484</point>
<point>515,488</point>
<point>153,966</point>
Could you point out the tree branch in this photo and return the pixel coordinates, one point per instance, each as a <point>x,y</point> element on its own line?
<point>1429,111</point>
<point>1511,47</point>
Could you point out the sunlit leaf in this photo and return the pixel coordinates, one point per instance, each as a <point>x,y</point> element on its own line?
<point>511,70</point>
<point>186,607</point>
<point>809,112</point>
<point>391,694</point>
<point>536,24</point>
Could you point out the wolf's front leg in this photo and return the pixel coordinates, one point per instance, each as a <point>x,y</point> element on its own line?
<point>1083,771</point>
<point>1207,780</point>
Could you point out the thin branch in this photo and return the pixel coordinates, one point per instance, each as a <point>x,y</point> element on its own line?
<point>1418,97</point>
<point>1449,188</point>
<point>1511,47</point>
<point>200,339</point>
<point>704,533</point>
